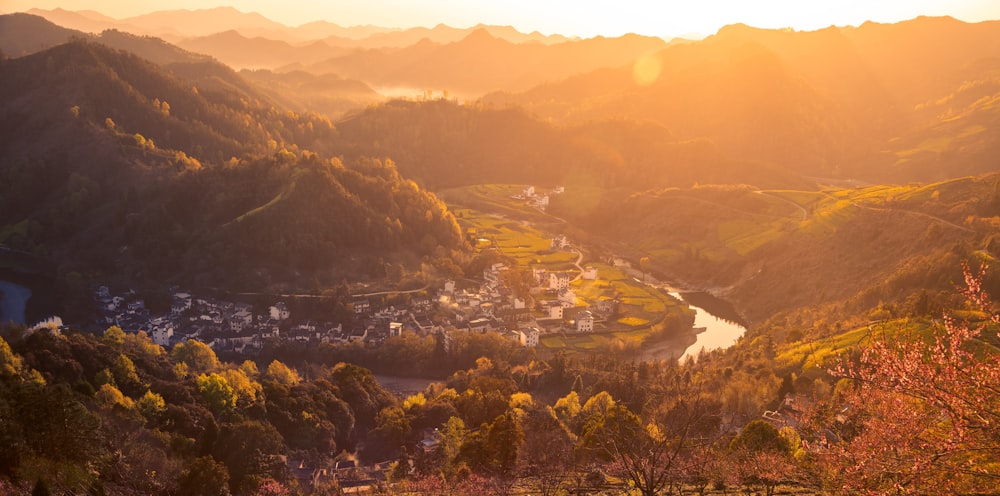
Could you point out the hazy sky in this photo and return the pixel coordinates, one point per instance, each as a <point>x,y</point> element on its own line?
<point>571,17</point>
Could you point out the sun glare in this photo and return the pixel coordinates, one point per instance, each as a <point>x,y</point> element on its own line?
<point>646,70</point>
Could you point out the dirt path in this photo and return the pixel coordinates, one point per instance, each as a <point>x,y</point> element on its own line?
<point>805,213</point>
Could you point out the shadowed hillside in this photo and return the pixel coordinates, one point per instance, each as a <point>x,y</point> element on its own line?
<point>111,164</point>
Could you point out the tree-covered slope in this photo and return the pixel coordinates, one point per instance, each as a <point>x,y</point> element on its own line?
<point>112,164</point>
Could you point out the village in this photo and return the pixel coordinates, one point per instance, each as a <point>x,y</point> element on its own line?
<point>473,305</point>
<point>483,305</point>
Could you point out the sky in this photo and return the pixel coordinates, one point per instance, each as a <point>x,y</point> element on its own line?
<point>584,18</point>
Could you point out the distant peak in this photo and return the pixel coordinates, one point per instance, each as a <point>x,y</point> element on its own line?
<point>480,34</point>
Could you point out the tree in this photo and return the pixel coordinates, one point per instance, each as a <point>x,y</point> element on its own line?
<point>644,266</point>
<point>921,417</point>
<point>109,396</point>
<point>653,456</point>
<point>205,477</point>
<point>453,435</point>
<point>199,358</point>
<point>760,456</point>
<point>151,405</point>
<point>392,429</point>
<point>759,435</point>
<point>281,374</point>
<point>251,453</point>
<point>547,454</point>
<point>114,336</point>
<point>217,392</point>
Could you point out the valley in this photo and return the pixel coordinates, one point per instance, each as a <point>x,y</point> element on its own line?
<point>239,257</point>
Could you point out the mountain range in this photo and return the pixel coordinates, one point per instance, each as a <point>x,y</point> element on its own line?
<point>770,108</point>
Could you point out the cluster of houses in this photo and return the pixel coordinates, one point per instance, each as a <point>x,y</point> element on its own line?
<point>550,307</point>
<point>536,199</point>
<point>487,306</point>
<point>242,328</point>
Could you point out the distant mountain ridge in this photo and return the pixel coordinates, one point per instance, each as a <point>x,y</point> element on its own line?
<point>837,102</point>
<point>175,25</point>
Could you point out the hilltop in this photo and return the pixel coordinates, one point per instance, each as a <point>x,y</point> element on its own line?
<point>120,167</point>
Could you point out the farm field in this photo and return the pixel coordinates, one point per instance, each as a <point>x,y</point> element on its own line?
<point>641,307</point>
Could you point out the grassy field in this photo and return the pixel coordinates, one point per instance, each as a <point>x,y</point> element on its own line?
<point>819,354</point>
<point>500,221</point>
<point>528,246</point>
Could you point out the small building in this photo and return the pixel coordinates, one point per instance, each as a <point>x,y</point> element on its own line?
<point>589,273</point>
<point>558,280</point>
<point>585,322</point>
<point>559,242</point>
<point>361,306</point>
<point>541,275</point>
<point>532,336</point>
<point>395,329</point>
<point>240,320</point>
<point>516,336</point>
<point>555,311</point>
<point>279,311</point>
<point>162,333</point>
<point>480,325</point>
<point>136,306</point>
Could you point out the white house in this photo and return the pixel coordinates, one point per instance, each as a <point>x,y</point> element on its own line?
<point>516,336</point>
<point>590,273</point>
<point>531,337</point>
<point>528,191</point>
<point>519,303</point>
<point>395,329</point>
<point>279,311</point>
<point>240,320</point>
<point>558,280</point>
<point>449,286</point>
<point>492,274</point>
<point>555,311</point>
<point>585,322</point>
<point>361,306</point>
<point>162,334</point>
<point>480,325</point>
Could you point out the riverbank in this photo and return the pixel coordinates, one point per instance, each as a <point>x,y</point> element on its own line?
<point>13,302</point>
<point>40,302</point>
<point>672,348</point>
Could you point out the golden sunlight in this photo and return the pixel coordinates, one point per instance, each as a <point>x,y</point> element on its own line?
<point>647,69</point>
<point>582,18</point>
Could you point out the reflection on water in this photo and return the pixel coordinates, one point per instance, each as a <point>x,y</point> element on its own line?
<point>13,300</point>
<point>720,320</point>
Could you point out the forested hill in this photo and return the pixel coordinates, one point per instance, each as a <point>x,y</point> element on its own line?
<point>444,144</point>
<point>911,101</point>
<point>115,165</point>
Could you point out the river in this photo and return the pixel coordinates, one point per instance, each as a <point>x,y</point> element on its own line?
<point>13,301</point>
<point>720,320</point>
